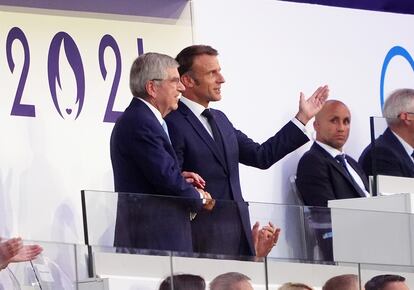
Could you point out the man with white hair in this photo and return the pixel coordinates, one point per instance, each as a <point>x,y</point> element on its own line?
<point>231,281</point>
<point>392,153</point>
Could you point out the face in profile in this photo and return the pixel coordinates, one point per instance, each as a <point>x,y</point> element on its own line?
<point>332,124</point>
<point>168,91</point>
<point>207,79</point>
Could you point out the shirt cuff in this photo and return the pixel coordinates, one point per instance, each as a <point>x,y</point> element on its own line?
<point>301,127</point>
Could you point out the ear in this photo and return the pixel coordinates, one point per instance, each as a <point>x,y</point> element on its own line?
<point>315,125</point>
<point>187,81</point>
<point>151,89</point>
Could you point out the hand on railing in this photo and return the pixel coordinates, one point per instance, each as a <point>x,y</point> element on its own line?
<point>208,201</point>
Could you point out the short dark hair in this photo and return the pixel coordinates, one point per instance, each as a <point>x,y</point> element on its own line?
<point>183,282</point>
<point>186,57</point>
<point>380,282</point>
<point>342,282</point>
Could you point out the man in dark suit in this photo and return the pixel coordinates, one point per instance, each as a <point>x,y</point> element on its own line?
<point>392,152</point>
<point>320,175</point>
<point>207,143</point>
<point>325,172</point>
<point>144,161</point>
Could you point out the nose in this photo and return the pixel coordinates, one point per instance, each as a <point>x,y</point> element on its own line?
<point>341,127</point>
<point>220,78</point>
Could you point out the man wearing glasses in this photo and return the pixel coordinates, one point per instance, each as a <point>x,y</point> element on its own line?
<point>144,161</point>
<point>392,153</point>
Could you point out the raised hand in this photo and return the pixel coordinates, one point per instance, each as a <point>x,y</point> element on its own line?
<point>308,108</point>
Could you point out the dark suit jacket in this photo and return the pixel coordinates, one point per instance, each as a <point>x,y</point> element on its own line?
<point>389,156</point>
<point>144,161</point>
<point>320,178</point>
<point>229,229</point>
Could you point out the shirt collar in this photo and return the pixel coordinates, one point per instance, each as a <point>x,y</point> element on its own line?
<point>196,108</point>
<point>154,110</point>
<point>332,151</point>
<point>406,146</point>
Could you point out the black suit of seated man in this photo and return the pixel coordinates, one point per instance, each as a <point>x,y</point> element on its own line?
<point>392,151</point>
<point>321,177</point>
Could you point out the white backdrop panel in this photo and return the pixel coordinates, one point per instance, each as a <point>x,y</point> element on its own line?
<point>271,50</point>
<point>47,158</point>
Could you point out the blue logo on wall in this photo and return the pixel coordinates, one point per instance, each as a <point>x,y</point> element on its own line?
<point>395,51</point>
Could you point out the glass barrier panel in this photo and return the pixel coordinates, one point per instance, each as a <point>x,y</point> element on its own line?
<point>219,270</point>
<point>312,274</point>
<point>55,268</point>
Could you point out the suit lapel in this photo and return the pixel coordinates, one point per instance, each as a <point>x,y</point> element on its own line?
<point>202,132</point>
<point>339,168</point>
<point>395,143</point>
<point>146,111</point>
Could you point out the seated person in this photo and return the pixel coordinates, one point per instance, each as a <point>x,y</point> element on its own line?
<point>231,281</point>
<point>13,251</point>
<point>386,282</point>
<point>393,150</point>
<point>183,282</point>
<point>294,286</point>
<point>325,172</point>
<point>342,282</point>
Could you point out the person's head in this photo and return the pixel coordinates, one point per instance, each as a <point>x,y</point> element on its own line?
<point>294,286</point>
<point>386,282</point>
<point>154,77</point>
<point>200,73</point>
<point>332,124</point>
<point>231,281</point>
<point>399,113</point>
<point>183,282</point>
<point>342,282</point>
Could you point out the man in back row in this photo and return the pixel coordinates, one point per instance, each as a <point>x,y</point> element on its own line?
<point>206,142</point>
<point>392,153</point>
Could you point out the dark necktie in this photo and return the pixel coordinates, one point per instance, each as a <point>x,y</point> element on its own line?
<point>412,154</point>
<point>342,161</point>
<point>214,128</point>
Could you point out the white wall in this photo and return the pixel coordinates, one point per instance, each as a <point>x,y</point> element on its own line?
<point>47,159</point>
<point>271,50</point>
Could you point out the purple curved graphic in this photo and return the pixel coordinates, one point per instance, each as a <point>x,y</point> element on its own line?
<point>18,108</point>
<point>75,61</point>
<point>108,41</point>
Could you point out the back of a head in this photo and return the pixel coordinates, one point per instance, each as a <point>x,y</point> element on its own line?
<point>146,67</point>
<point>342,282</point>
<point>186,57</point>
<point>380,282</point>
<point>229,281</point>
<point>183,282</point>
<point>399,101</point>
<point>294,286</point>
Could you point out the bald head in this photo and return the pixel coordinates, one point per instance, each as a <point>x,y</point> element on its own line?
<point>332,124</point>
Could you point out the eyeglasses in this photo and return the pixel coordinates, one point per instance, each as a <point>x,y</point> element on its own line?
<point>174,80</point>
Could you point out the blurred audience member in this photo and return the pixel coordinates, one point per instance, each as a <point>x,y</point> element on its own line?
<point>13,251</point>
<point>386,282</point>
<point>183,282</point>
<point>295,286</point>
<point>342,282</point>
<point>231,281</point>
